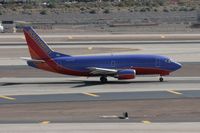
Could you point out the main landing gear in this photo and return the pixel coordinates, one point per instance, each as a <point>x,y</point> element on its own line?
<point>103,79</point>
<point>161,79</point>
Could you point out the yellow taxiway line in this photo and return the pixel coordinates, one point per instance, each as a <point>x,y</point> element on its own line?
<point>7,98</point>
<point>45,122</point>
<point>146,122</point>
<point>90,94</point>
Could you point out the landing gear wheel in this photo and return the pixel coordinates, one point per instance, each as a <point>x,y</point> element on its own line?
<point>161,79</point>
<point>103,79</point>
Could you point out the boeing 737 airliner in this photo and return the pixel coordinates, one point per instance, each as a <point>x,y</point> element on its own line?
<point>118,66</point>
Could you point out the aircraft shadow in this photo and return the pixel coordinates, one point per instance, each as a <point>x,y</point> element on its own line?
<point>94,83</point>
<point>77,83</point>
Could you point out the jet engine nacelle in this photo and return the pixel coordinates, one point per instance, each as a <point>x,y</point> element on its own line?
<point>126,74</point>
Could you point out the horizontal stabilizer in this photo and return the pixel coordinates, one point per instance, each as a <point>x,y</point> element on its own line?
<point>32,60</point>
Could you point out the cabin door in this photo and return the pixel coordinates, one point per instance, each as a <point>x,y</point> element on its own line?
<point>113,64</point>
<point>157,63</point>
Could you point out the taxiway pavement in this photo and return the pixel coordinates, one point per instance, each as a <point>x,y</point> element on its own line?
<point>187,52</point>
<point>102,128</point>
<point>106,96</point>
<point>39,86</point>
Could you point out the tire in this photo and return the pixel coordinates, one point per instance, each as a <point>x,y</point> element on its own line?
<point>103,79</point>
<point>161,79</point>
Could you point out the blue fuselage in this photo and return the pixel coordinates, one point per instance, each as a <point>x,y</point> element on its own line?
<point>143,64</point>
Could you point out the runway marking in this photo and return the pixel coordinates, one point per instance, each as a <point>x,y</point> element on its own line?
<point>7,98</point>
<point>109,116</point>
<point>90,94</point>
<point>45,122</point>
<point>174,92</point>
<point>146,122</point>
<point>70,37</point>
<point>162,36</point>
<point>90,48</point>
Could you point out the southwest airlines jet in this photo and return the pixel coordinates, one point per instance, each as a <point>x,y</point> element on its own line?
<point>121,67</point>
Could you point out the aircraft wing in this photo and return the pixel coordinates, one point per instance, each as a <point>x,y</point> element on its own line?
<point>106,71</point>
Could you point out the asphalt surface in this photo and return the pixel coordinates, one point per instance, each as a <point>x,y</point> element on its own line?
<point>61,100</point>
<point>39,86</point>
<point>102,128</point>
<point>109,96</point>
<point>154,111</point>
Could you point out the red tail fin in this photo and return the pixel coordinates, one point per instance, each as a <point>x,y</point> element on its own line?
<point>38,48</point>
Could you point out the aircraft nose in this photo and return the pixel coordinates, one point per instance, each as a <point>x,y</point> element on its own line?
<point>177,65</point>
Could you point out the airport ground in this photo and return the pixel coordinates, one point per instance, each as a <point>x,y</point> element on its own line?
<point>128,22</point>
<point>54,101</point>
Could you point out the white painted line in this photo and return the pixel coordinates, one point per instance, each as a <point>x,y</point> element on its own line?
<point>109,116</point>
<point>174,92</point>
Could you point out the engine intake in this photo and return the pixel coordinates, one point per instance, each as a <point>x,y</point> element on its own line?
<point>126,74</point>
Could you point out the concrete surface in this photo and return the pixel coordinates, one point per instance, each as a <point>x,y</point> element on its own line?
<point>102,38</point>
<point>101,128</point>
<point>29,86</point>
<point>152,110</point>
<point>10,55</point>
<point>106,96</point>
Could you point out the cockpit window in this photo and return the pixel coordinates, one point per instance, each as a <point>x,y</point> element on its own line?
<point>168,60</point>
